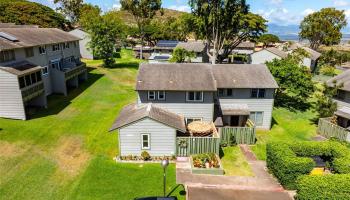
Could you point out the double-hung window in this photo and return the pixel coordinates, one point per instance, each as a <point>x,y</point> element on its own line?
<point>6,56</point>
<point>56,47</point>
<point>258,93</point>
<point>257,118</point>
<point>145,141</point>
<point>42,50</point>
<point>194,96</point>
<point>161,95</point>
<point>29,52</point>
<point>190,120</point>
<point>152,95</point>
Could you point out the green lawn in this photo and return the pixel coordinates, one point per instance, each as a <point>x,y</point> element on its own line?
<point>287,126</point>
<point>65,152</point>
<point>234,162</point>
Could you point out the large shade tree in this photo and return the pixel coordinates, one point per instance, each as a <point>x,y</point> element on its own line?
<point>70,8</point>
<point>143,12</point>
<point>323,27</point>
<point>224,24</point>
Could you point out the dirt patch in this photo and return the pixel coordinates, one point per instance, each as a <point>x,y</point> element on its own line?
<point>70,155</point>
<point>9,150</point>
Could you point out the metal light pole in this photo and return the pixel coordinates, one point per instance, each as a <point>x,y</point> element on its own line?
<point>164,164</point>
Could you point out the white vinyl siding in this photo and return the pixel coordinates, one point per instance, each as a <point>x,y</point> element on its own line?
<point>262,57</point>
<point>162,138</point>
<point>11,103</point>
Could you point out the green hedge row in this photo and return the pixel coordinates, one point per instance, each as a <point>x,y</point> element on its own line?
<point>285,164</point>
<point>288,161</point>
<point>335,187</point>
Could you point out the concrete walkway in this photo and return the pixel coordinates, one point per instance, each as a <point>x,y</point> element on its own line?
<point>201,187</point>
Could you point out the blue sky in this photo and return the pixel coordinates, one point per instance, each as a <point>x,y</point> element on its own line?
<point>281,12</point>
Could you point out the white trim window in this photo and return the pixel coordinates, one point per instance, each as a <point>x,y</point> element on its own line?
<point>257,118</point>
<point>65,45</point>
<point>55,64</point>
<point>189,120</point>
<point>194,96</point>
<point>161,95</point>
<point>258,93</point>
<point>151,95</point>
<point>56,47</point>
<point>42,50</point>
<point>45,70</point>
<point>145,141</point>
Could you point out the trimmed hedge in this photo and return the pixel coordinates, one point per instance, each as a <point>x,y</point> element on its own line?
<point>288,161</point>
<point>285,164</point>
<point>335,186</point>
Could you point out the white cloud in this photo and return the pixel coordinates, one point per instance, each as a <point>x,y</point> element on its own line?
<point>183,8</point>
<point>340,3</point>
<point>280,16</point>
<point>308,11</point>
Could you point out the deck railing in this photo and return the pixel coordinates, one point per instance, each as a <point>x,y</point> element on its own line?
<point>75,71</point>
<point>32,91</point>
<point>327,129</point>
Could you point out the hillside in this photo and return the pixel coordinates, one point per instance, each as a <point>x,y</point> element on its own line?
<point>129,19</point>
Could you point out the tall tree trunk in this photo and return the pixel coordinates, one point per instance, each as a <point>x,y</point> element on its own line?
<point>141,50</point>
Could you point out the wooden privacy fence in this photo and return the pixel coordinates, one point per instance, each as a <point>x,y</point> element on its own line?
<point>241,135</point>
<point>327,129</point>
<point>186,146</point>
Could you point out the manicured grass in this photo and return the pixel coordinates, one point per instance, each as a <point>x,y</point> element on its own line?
<point>66,151</point>
<point>288,126</point>
<point>234,162</point>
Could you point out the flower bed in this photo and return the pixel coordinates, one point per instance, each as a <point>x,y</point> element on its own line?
<point>145,157</point>
<point>206,164</point>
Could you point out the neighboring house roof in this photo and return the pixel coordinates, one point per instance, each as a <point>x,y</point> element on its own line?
<point>277,52</point>
<point>343,112</point>
<point>192,46</point>
<point>132,113</point>
<point>243,76</point>
<point>175,77</point>
<point>314,55</point>
<point>166,44</point>
<point>203,77</point>
<point>21,68</point>
<point>13,25</point>
<point>29,37</point>
<point>341,79</point>
<point>246,45</point>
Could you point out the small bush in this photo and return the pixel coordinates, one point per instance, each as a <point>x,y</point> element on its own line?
<point>145,155</point>
<point>328,70</point>
<point>324,187</point>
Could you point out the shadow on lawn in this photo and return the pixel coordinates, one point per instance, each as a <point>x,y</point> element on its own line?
<point>58,102</point>
<point>182,192</point>
<point>121,65</point>
<point>291,103</point>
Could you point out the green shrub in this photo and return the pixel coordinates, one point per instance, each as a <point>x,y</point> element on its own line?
<point>324,187</point>
<point>145,155</point>
<point>328,70</point>
<point>285,164</point>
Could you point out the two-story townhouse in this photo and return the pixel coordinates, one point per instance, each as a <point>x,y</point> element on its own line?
<point>24,52</point>
<point>170,96</point>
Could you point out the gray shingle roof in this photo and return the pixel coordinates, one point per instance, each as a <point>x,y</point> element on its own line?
<point>175,77</point>
<point>343,78</point>
<point>21,68</point>
<point>203,77</point>
<point>277,52</point>
<point>246,45</point>
<point>243,76</point>
<point>314,55</point>
<point>29,37</point>
<point>132,113</point>
<point>343,112</point>
<point>192,46</point>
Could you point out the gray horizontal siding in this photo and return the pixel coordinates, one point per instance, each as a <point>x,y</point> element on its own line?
<point>11,103</point>
<point>255,105</point>
<point>162,138</point>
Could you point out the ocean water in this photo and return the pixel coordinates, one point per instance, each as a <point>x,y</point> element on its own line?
<point>294,37</point>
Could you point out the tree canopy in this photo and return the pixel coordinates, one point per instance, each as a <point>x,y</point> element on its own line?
<point>143,12</point>
<point>105,30</point>
<point>267,39</point>
<point>30,13</point>
<point>325,105</point>
<point>70,8</point>
<point>323,27</point>
<point>181,55</point>
<point>224,24</point>
<point>295,83</point>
